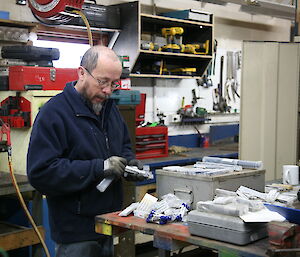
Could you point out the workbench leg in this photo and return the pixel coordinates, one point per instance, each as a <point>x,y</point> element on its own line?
<point>163,253</point>
<point>37,214</point>
<point>126,246</point>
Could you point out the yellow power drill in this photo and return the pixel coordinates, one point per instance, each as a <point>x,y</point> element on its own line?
<point>200,48</point>
<point>173,36</point>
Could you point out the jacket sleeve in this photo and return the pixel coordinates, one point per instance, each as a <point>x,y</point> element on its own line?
<point>47,169</point>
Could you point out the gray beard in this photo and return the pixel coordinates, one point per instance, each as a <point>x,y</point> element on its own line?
<point>97,107</point>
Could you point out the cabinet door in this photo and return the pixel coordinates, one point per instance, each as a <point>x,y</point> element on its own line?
<point>287,106</point>
<point>269,105</point>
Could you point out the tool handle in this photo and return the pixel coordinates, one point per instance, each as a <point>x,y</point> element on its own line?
<point>220,86</point>
<point>105,183</point>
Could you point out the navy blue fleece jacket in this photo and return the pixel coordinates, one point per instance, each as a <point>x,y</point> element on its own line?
<point>65,158</point>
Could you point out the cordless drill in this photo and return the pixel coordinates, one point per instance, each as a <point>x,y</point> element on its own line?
<point>173,36</point>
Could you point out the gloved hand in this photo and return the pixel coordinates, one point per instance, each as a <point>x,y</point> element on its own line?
<point>135,177</point>
<point>137,163</point>
<point>114,166</point>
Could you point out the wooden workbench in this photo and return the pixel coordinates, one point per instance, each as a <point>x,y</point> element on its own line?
<point>135,193</point>
<point>174,236</point>
<point>14,236</point>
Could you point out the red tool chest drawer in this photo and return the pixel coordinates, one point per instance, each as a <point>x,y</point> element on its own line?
<point>151,142</point>
<point>46,78</point>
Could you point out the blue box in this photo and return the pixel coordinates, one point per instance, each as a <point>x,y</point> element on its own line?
<point>4,15</point>
<point>126,97</point>
<point>190,14</point>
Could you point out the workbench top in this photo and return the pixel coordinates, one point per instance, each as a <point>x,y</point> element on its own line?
<point>6,186</point>
<point>178,232</point>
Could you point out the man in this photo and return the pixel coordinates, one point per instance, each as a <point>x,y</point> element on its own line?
<point>78,139</point>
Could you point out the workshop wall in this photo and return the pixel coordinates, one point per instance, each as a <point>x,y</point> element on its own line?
<point>231,28</point>
<point>168,93</point>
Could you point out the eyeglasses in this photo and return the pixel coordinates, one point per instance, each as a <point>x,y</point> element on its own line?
<point>103,83</point>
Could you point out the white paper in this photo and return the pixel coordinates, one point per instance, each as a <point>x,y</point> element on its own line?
<point>262,216</point>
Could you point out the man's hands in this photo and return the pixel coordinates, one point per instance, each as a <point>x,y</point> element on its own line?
<point>135,177</point>
<point>114,166</point>
<point>137,163</point>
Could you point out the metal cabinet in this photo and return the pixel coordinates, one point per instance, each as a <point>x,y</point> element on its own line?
<point>270,104</point>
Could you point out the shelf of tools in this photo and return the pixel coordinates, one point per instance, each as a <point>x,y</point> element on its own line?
<point>164,46</point>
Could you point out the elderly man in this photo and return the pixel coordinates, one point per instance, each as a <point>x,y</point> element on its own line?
<point>78,139</point>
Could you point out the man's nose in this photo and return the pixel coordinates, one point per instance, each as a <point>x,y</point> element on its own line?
<point>107,90</point>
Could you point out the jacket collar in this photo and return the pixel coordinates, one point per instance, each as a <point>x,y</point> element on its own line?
<point>78,105</point>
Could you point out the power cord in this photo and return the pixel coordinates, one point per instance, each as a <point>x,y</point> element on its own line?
<point>23,204</point>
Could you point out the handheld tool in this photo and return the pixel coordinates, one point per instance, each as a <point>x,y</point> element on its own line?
<point>173,36</point>
<point>104,184</point>
<point>206,81</point>
<point>161,116</point>
<point>145,172</point>
<point>199,48</point>
<point>150,46</point>
<point>231,78</point>
<point>222,104</point>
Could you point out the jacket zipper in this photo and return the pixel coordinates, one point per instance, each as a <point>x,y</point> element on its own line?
<point>78,211</point>
<point>104,132</point>
<point>107,147</point>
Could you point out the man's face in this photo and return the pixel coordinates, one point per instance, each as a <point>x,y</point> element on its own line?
<point>98,84</point>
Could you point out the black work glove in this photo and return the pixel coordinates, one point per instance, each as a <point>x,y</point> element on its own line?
<point>137,163</point>
<point>114,166</point>
<point>135,177</point>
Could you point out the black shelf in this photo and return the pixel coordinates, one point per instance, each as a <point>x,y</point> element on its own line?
<point>137,27</point>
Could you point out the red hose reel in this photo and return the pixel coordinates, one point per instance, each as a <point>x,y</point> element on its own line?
<point>54,12</point>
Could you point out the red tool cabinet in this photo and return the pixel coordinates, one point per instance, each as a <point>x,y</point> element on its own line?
<point>46,78</point>
<point>140,110</point>
<point>151,142</point>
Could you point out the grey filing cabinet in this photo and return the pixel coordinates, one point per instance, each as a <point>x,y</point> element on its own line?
<point>269,105</point>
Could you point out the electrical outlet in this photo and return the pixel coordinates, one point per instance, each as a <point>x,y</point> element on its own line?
<point>175,118</point>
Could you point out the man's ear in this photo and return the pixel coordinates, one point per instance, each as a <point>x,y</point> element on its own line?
<point>80,72</point>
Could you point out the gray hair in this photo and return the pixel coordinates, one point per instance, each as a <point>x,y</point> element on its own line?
<point>90,58</point>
